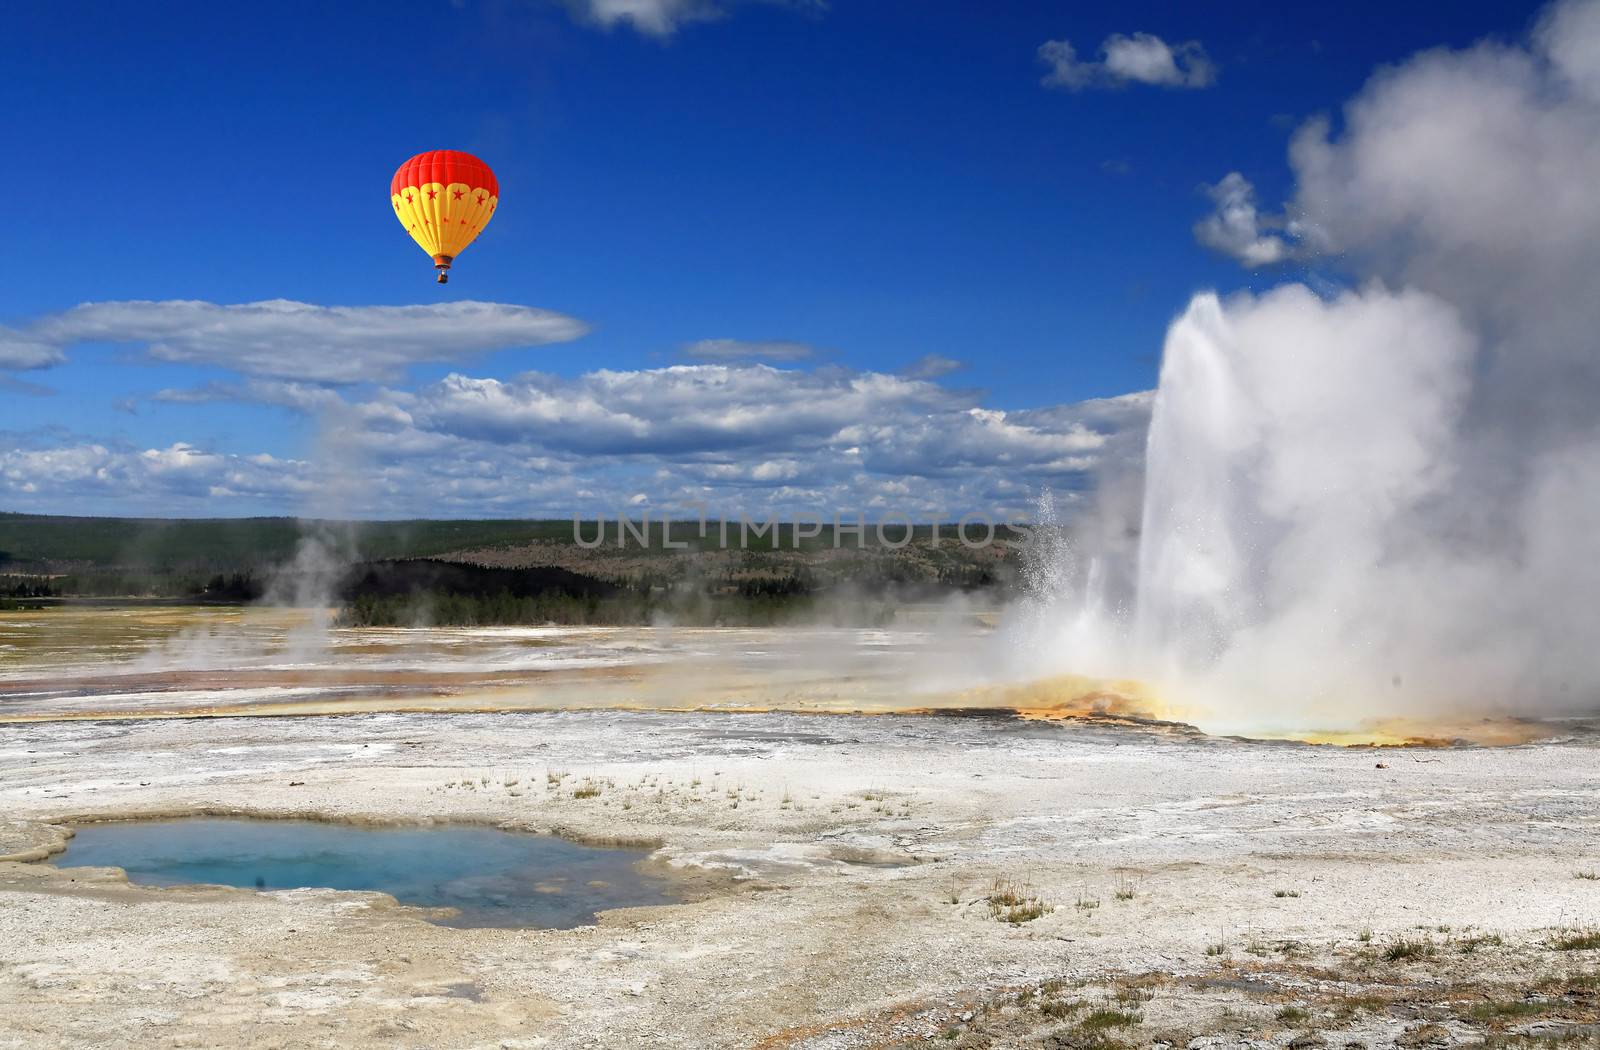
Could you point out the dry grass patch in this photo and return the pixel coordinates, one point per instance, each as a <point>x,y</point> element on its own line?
<point>1587,940</point>
<point>1015,903</point>
<point>1403,948</point>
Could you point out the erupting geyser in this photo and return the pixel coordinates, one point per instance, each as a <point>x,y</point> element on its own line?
<point>1381,502</point>
<point>1294,447</point>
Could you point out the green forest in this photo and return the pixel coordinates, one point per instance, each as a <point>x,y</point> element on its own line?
<point>447,572</point>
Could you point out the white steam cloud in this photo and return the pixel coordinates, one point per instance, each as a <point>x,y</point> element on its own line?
<point>1238,228</point>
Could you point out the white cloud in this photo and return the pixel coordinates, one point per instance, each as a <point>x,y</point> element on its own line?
<point>292,340</point>
<point>19,351</point>
<point>651,17</point>
<point>839,435</point>
<point>302,397</point>
<point>733,437</point>
<point>662,18</point>
<point>748,350</point>
<point>1236,228</point>
<point>671,410</point>
<point>1142,58</point>
<point>157,480</point>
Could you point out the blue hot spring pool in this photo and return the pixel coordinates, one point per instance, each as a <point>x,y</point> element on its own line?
<point>492,877</point>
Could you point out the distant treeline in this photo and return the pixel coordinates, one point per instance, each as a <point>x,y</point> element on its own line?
<point>26,587</point>
<point>209,545</point>
<point>234,587</point>
<point>494,572</point>
<point>412,593</point>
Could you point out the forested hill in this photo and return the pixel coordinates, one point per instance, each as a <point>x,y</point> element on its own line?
<point>33,542</point>
<point>486,571</point>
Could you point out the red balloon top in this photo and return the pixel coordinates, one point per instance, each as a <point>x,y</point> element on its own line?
<point>445,166</point>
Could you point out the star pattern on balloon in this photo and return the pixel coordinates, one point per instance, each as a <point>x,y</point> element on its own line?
<point>444,199</point>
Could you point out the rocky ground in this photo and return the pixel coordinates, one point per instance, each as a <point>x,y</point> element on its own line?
<point>849,881</point>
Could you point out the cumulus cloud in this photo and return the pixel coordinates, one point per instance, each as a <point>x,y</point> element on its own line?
<point>291,340</point>
<point>673,410</point>
<point>731,436</point>
<point>839,436</point>
<point>1237,228</point>
<point>748,350</point>
<point>154,480</point>
<point>1142,58</point>
<point>662,18</point>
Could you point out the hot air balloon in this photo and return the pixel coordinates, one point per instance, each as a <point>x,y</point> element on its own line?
<point>444,198</point>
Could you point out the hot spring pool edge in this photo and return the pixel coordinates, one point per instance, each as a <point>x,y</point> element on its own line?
<point>49,839</point>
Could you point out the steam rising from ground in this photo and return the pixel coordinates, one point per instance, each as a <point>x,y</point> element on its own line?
<point>1384,501</point>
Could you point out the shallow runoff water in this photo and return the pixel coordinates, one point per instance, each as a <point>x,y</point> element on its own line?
<point>492,877</point>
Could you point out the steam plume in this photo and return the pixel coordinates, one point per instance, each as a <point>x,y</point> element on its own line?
<point>1386,501</point>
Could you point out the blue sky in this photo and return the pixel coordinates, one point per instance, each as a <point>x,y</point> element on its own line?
<point>878,182</point>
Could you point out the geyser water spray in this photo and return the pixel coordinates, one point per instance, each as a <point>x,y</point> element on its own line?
<point>1380,501</point>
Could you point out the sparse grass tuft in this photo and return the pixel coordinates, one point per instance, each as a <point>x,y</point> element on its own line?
<point>1293,1015</point>
<point>1588,876</point>
<point>1576,940</point>
<point>1014,903</point>
<point>1133,994</point>
<point>1102,1018</point>
<point>1060,1008</point>
<point>1408,948</point>
<point>1468,945</point>
<point>1216,949</point>
<point>1348,1006</point>
<point>1504,1011</point>
<point>1286,893</point>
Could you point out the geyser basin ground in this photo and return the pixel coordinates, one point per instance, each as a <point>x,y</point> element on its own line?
<point>488,877</point>
<point>1262,876</point>
<point>158,661</point>
<point>1197,883</point>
